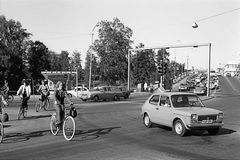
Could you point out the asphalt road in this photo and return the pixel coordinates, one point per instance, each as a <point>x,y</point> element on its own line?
<point>114,130</point>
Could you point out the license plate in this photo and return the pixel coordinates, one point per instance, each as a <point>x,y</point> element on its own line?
<point>207,121</point>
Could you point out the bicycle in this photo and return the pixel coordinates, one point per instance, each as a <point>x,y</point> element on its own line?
<point>22,112</point>
<point>68,126</point>
<point>9,98</point>
<point>39,104</point>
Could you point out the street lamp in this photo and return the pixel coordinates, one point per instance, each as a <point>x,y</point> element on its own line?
<point>195,25</point>
<point>90,65</point>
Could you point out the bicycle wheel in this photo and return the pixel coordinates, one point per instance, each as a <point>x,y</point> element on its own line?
<point>10,98</point>
<point>37,106</point>
<point>53,126</point>
<point>68,128</point>
<point>1,132</point>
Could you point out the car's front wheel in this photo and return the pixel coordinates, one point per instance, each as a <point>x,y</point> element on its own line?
<point>146,120</point>
<point>179,128</point>
<point>69,95</point>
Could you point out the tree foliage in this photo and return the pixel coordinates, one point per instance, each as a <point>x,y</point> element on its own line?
<point>143,65</point>
<point>112,49</point>
<point>38,59</point>
<point>13,44</point>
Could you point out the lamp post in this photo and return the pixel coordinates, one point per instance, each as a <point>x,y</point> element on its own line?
<point>90,65</point>
<point>77,79</point>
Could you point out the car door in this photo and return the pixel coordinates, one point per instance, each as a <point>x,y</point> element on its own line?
<point>84,92</point>
<point>165,110</point>
<point>103,93</point>
<point>152,108</point>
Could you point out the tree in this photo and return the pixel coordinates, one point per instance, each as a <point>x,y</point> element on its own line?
<point>13,43</point>
<point>112,49</point>
<point>55,64</point>
<point>38,59</point>
<point>75,64</point>
<point>64,61</point>
<point>143,66</point>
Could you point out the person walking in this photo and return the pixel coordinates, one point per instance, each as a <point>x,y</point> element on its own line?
<point>45,92</point>
<point>24,92</point>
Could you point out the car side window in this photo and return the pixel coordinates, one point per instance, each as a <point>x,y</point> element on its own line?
<point>154,100</point>
<point>164,101</point>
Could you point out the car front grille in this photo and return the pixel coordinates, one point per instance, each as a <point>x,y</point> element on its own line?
<point>207,117</point>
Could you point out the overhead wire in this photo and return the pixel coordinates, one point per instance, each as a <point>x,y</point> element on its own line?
<point>226,12</point>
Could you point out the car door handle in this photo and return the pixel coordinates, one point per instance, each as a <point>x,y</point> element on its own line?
<point>157,108</point>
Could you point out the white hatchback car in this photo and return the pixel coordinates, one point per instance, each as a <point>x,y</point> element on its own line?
<point>181,111</point>
<point>81,92</point>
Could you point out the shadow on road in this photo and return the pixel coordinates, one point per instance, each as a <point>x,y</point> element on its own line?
<point>36,117</point>
<point>222,131</point>
<point>93,133</point>
<point>19,137</point>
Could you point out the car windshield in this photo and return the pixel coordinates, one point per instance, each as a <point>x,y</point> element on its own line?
<point>179,101</point>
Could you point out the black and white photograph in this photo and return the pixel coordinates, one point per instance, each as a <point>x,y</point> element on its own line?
<point>119,79</point>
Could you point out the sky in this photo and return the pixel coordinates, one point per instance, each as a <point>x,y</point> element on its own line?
<point>67,25</point>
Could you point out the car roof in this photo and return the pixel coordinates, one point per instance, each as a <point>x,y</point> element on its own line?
<point>173,93</point>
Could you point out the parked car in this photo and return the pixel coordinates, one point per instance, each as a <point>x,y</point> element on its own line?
<point>200,90</point>
<point>81,92</point>
<point>183,112</point>
<point>183,87</point>
<point>126,93</point>
<point>228,74</point>
<point>104,93</point>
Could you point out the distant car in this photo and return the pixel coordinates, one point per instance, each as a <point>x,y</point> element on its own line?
<point>183,87</point>
<point>200,90</point>
<point>81,92</point>
<point>104,93</point>
<point>228,74</point>
<point>181,111</point>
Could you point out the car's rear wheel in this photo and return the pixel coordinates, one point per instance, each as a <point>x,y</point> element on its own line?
<point>96,98</point>
<point>179,128</point>
<point>126,96</point>
<point>115,98</point>
<point>146,120</point>
<point>213,131</point>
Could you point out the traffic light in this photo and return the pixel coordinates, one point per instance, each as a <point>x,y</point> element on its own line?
<point>160,68</point>
<point>165,67</point>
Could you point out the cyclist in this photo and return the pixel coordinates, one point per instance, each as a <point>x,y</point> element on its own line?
<point>45,92</point>
<point>60,94</point>
<point>24,92</point>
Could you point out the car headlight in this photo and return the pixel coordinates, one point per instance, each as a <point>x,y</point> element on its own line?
<point>194,118</point>
<point>220,116</point>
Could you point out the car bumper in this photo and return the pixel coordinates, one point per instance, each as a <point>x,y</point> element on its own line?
<point>204,125</point>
